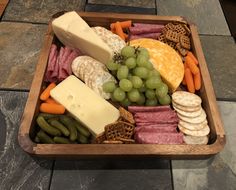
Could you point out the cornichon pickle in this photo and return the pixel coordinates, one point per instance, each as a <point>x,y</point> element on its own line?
<point>68,122</point>
<point>48,115</point>
<point>44,138</point>
<point>59,126</point>
<point>43,124</point>
<point>61,140</point>
<point>81,129</point>
<point>82,139</point>
<point>36,139</point>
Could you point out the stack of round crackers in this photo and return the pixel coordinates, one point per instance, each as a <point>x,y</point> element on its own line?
<point>192,117</point>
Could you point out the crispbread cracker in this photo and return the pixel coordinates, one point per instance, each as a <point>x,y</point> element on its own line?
<point>195,140</point>
<point>198,133</point>
<point>126,115</point>
<point>195,120</point>
<point>188,113</point>
<point>192,126</point>
<point>186,109</point>
<point>186,99</point>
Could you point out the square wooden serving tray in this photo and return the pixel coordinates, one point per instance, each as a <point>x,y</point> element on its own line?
<point>217,134</point>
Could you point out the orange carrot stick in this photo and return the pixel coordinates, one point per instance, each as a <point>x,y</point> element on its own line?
<point>126,35</point>
<point>50,101</point>
<point>184,81</point>
<point>119,30</point>
<point>191,65</point>
<point>124,24</point>
<point>189,80</point>
<point>52,108</point>
<point>190,54</point>
<point>46,93</point>
<point>197,81</point>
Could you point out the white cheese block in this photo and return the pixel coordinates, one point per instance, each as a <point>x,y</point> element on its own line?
<point>73,31</point>
<point>84,104</point>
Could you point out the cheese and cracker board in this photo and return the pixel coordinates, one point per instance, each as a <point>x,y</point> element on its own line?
<point>123,85</point>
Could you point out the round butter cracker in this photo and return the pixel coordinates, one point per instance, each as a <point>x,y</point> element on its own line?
<point>198,133</point>
<point>195,140</point>
<point>192,126</point>
<point>185,108</point>
<point>195,120</point>
<point>186,99</point>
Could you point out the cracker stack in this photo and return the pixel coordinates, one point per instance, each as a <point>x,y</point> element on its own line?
<point>176,35</point>
<point>192,117</point>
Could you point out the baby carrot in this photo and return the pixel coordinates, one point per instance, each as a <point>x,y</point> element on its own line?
<point>191,65</point>
<point>52,108</point>
<point>51,101</point>
<point>197,81</point>
<point>190,54</point>
<point>184,81</point>
<point>119,30</point>
<point>189,80</point>
<point>46,93</point>
<point>123,24</point>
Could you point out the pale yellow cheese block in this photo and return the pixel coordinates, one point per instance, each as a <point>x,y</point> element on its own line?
<point>85,105</point>
<point>164,59</point>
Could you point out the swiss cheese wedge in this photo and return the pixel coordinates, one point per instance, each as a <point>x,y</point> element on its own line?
<point>164,59</point>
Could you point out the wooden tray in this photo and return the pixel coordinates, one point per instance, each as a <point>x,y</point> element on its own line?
<point>26,131</point>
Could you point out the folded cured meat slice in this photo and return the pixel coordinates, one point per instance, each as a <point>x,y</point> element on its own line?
<point>154,35</point>
<point>136,109</point>
<point>156,117</point>
<point>159,138</point>
<point>173,125</point>
<point>153,129</point>
<point>140,28</point>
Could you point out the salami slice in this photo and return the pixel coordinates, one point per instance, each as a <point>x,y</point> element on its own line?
<point>159,138</point>
<point>139,28</point>
<point>156,116</point>
<point>174,125</point>
<point>136,109</point>
<point>152,129</point>
<point>146,35</point>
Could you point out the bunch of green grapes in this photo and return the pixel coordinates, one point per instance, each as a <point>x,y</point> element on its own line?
<point>139,83</point>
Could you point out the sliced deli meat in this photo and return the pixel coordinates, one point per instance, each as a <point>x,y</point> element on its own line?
<point>135,109</point>
<point>141,28</point>
<point>153,129</point>
<point>74,32</point>
<point>158,138</point>
<point>148,35</point>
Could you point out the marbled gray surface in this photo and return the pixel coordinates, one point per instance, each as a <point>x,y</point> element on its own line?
<point>20,45</point>
<point>17,169</point>
<point>216,173</point>
<point>220,54</point>
<point>39,11</point>
<point>131,3</point>
<point>119,9</point>
<point>207,14</point>
<point>115,174</point>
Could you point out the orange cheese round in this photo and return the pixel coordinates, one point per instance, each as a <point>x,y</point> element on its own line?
<point>164,59</point>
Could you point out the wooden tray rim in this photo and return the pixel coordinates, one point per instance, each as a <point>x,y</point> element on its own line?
<point>97,150</point>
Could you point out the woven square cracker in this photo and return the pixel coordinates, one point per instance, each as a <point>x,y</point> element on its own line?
<point>188,32</point>
<point>126,115</point>
<point>114,130</point>
<point>185,42</point>
<point>180,29</point>
<point>171,44</point>
<point>100,138</point>
<point>170,26</point>
<point>162,38</point>
<point>181,50</point>
<point>172,36</point>
<point>127,141</point>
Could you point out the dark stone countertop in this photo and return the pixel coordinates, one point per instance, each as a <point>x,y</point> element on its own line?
<point>22,29</point>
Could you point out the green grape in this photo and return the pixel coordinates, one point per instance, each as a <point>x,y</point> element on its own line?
<point>125,102</point>
<point>125,85</point>
<point>153,82</point>
<point>136,81</point>
<point>129,76</point>
<point>128,51</point>
<point>154,73</point>
<point>109,86</point>
<point>165,100</point>
<point>150,94</point>
<point>141,100</point>
<point>133,95</point>
<point>141,72</point>
<point>112,66</point>
<point>151,102</point>
<point>141,60</point>
<point>112,98</point>
<point>122,72</point>
<point>119,94</point>
<point>130,62</point>
<point>144,52</point>
<point>162,90</point>
<point>149,65</point>
<point>142,88</point>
